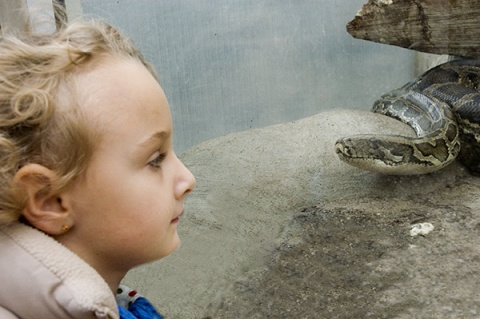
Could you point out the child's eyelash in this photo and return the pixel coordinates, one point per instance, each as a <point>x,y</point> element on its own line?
<point>155,163</point>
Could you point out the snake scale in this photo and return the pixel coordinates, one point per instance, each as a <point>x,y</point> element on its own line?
<point>442,106</point>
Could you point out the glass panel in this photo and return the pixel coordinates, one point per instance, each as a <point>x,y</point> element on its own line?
<point>228,66</point>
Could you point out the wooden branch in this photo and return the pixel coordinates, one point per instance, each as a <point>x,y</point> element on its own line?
<point>433,26</point>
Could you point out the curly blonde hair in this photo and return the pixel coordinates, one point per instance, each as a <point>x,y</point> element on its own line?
<point>40,121</point>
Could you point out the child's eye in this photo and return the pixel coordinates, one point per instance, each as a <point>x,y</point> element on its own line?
<point>155,163</point>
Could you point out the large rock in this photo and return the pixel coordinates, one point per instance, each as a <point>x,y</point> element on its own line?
<point>279,227</point>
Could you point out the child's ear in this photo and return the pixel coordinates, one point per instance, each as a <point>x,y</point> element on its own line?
<point>44,210</point>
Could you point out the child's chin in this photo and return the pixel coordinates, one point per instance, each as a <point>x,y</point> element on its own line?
<point>174,245</point>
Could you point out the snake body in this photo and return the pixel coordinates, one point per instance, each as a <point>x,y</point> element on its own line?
<point>442,106</point>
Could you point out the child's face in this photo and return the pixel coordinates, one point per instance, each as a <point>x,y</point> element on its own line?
<point>127,207</point>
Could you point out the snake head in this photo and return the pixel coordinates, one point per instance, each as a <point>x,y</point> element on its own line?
<point>387,154</point>
<point>369,148</point>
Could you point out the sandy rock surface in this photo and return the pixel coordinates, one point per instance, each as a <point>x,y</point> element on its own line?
<point>278,227</point>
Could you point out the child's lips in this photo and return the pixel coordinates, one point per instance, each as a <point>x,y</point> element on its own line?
<point>177,219</point>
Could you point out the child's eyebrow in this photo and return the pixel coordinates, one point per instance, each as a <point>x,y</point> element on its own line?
<point>155,139</point>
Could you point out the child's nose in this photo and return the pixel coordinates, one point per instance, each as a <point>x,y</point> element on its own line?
<point>186,181</point>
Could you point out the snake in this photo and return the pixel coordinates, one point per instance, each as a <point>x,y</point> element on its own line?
<point>442,106</point>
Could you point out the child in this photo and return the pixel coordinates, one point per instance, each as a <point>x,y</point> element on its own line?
<point>90,186</point>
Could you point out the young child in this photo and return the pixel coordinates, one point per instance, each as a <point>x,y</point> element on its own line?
<point>90,186</point>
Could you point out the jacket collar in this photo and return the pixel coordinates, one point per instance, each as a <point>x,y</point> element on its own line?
<point>37,267</point>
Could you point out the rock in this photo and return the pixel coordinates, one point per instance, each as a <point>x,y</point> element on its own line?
<point>279,227</point>
<point>433,26</point>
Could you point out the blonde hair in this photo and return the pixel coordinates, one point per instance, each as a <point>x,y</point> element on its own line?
<point>40,121</point>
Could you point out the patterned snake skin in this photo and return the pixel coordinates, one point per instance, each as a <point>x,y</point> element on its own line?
<point>443,108</point>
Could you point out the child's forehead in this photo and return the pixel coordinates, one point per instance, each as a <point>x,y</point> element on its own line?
<point>114,83</point>
<point>118,94</point>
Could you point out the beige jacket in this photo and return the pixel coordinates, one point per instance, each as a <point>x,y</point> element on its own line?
<point>40,278</point>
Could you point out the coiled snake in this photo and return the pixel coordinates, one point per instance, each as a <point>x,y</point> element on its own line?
<point>443,108</point>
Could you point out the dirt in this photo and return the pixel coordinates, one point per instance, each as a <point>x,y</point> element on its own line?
<point>332,261</point>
